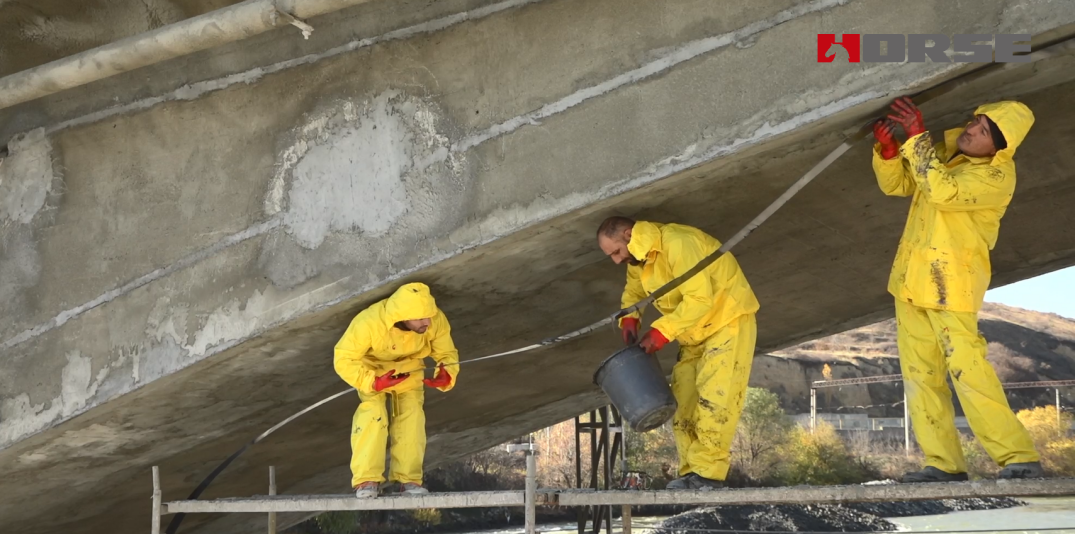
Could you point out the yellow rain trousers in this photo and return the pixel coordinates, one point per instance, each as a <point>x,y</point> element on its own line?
<point>937,343</point>
<point>939,279</point>
<point>373,346</point>
<point>710,385</point>
<point>712,317</point>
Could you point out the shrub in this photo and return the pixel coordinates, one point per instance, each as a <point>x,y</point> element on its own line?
<point>427,517</point>
<point>822,458</point>
<point>337,522</point>
<point>1054,443</point>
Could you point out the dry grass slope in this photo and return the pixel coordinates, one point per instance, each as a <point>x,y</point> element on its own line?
<point>1024,346</point>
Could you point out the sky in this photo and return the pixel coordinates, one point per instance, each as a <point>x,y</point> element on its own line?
<point>1052,293</point>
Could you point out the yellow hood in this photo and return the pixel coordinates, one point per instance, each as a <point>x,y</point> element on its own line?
<point>410,302</point>
<point>645,238</point>
<point>1014,120</point>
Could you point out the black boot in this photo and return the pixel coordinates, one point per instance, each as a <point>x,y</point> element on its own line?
<point>1023,470</point>
<point>692,481</point>
<point>932,474</point>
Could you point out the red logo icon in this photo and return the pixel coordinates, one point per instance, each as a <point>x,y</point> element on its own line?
<point>826,42</point>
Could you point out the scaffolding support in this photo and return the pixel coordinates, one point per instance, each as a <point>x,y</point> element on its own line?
<point>606,438</point>
<point>825,494</point>
<point>155,526</point>
<point>530,493</point>
<point>605,427</point>
<point>272,491</point>
<point>1055,487</point>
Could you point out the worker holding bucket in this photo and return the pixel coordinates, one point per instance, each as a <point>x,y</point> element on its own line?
<point>711,315</point>
<point>960,189</point>
<point>382,353</point>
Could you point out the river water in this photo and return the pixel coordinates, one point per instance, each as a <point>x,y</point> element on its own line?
<point>1040,516</point>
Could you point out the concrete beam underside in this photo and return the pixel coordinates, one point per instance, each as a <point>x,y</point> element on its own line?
<point>494,147</point>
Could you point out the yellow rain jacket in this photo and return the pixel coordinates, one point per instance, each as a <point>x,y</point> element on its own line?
<point>943,258</point>
<point>373,346</point>
<point>701,306</point>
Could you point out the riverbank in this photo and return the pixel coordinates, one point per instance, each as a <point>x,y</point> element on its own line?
<point>863,517</point>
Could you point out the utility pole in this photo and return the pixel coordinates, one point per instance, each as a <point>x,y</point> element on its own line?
<point>906,425</point>
<point>1059,430</point>
<point>813,409</point>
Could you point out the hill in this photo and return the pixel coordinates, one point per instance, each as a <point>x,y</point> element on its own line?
<point>1024,346</point>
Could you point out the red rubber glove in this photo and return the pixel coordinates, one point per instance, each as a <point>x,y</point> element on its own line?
<point>630,330</point>
<point>882,130</point>
<point>441,380</point>
<point>386,380</point>
<point>653,341</point>
<point>908,114</point>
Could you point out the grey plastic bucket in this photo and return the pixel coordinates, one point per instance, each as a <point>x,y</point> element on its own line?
<point>633,380</point>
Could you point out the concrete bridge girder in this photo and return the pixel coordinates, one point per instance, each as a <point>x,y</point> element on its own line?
<point>184,244</point>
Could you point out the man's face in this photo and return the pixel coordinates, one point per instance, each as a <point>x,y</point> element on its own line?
<point>976,141</point>
<point>616,247</point>
<point>418,325</point>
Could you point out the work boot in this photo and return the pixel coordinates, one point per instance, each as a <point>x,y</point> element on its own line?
<point>694,482</point>
<point>932,474</point>
<point>367,490</point>
<point>1024,470</point>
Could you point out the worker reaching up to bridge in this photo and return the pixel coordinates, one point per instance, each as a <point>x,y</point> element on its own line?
<point>960,189</point>
<point>382,353</point>
<point>711,315</point>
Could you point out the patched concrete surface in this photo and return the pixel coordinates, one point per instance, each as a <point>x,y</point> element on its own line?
<point>183,245</point>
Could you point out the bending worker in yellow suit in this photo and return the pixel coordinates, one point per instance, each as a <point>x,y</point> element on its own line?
<point>960,188</point>
<point>711,316</point>
<point>382,354</point>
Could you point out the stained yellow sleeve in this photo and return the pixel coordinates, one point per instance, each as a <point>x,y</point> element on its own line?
<point>974,187</point>
<point>632,292</point>
<point>443,349</point>
<point>349,354</point>
<point>891,175</point>
<point>684,252</point>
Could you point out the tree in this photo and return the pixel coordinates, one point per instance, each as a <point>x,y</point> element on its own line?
<point>763,429</point>
<point>556,462</point>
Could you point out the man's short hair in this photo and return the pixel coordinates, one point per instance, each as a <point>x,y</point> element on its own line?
<point>613,226</point>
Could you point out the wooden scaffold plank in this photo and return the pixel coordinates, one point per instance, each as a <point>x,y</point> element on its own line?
<point>826,494</point>
<point>327,503</point>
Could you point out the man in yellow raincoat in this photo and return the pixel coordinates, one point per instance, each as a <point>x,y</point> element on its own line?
<point>960,189</point>
<point>711,316</point>
<point>381,354</point>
